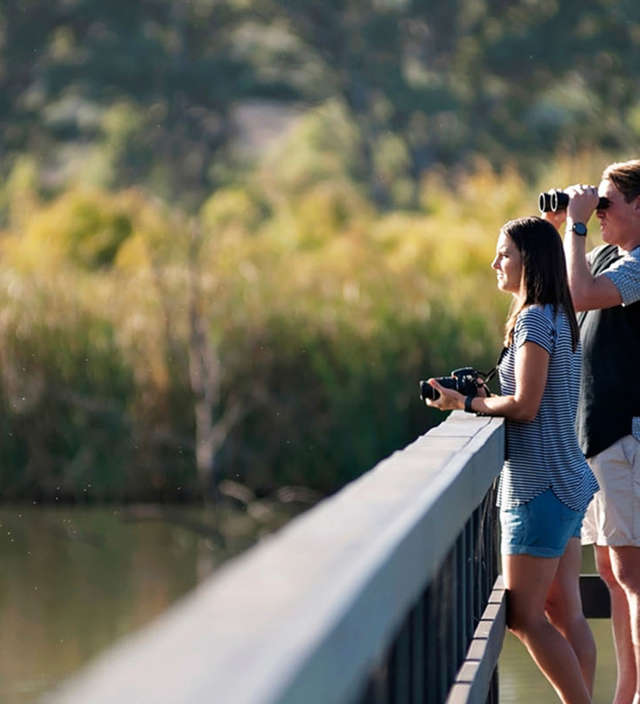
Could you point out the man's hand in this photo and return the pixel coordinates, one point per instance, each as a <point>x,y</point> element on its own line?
<point>556,219</point>
<point>583,200</point>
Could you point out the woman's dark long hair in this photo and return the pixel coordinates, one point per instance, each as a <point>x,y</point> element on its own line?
<point>543,269</point>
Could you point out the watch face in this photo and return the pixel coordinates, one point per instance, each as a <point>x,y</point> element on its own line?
<point>580,228</point>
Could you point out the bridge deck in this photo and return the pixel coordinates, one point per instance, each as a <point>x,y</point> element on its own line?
<point>384,592</point>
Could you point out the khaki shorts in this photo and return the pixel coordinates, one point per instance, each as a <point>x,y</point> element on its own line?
<point>613,516</point>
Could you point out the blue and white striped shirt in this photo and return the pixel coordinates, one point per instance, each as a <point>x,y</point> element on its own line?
<point>544,453</point>
<point>625,274</point>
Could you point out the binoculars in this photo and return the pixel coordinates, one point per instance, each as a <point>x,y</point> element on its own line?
<point>555,200</point>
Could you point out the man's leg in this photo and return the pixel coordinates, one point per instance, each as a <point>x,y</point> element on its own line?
<point>613,517</point>
<point>625,565</point>
<point>621,626</point>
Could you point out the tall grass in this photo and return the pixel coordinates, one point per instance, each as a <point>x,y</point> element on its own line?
<point>321,314</point>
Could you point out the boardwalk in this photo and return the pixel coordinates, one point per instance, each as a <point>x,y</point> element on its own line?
<point>385,592</point>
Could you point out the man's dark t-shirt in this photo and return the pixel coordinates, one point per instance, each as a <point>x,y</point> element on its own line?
<point>610,381</point>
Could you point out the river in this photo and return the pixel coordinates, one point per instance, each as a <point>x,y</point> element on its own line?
<point>77,579</point>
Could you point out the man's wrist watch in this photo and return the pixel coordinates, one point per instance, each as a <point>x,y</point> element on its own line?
<point>579,228</point>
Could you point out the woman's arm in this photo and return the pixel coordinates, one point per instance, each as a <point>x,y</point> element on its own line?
<point>532,365</point>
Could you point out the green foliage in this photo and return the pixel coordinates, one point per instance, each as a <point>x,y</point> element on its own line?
<point>65,394</point>
<point>332,266</point>
<point>323,312</point>
<point>339,402</point>
<point>120,95</point>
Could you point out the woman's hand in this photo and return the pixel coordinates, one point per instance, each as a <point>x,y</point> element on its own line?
<point>449,400</point>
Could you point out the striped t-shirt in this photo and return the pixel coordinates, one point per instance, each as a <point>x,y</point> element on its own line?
<point>544,453</point>
<point>625,274</point>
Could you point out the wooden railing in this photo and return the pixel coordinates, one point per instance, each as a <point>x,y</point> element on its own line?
<point>385,592</point>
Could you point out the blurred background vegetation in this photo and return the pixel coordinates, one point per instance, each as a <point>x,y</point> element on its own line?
<point>235,233</point>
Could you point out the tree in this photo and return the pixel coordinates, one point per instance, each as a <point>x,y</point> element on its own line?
<point>151,82</point>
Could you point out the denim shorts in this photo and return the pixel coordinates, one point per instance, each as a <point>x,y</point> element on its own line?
<point>542,527</point>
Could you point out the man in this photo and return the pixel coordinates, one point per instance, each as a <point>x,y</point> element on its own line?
<point>605,284</point>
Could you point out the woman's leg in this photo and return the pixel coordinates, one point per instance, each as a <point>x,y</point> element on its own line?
<point>528,580</point>
<point>564,610</point>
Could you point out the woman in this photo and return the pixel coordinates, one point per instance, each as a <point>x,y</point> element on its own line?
<point>546,484</point>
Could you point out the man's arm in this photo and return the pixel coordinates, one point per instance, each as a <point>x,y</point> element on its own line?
<point>587,291</point>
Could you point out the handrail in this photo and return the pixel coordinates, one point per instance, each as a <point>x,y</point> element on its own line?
<point>308,614</point>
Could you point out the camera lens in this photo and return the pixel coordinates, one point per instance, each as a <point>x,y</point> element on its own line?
<point>428,392</point>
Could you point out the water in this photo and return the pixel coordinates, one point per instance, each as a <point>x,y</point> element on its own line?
<point>521,681</point>
<point>75,580</point>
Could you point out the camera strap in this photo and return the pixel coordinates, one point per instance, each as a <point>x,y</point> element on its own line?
<point>490,374</point>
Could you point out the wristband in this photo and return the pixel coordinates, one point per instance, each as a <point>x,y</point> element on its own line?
<point>467,404</point>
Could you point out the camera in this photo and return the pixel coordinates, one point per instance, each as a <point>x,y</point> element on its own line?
<point>555,200</point>
<point>465,380</point>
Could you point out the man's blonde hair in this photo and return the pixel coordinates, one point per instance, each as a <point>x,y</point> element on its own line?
<point>625,176</point>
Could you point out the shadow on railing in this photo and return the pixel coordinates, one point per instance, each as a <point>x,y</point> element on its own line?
<point>385,592</point>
